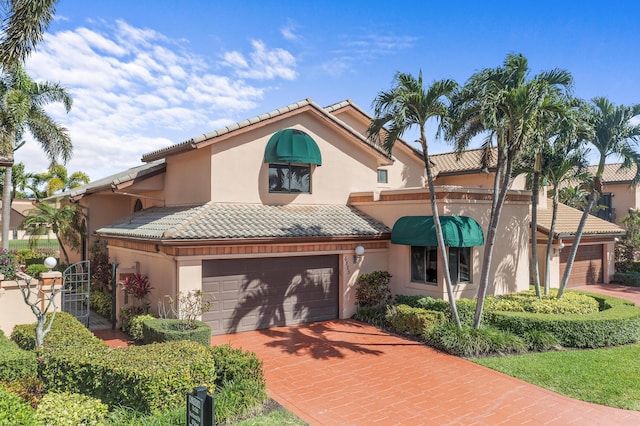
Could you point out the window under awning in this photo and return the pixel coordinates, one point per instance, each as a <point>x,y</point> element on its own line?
<point>292,146</point>
<point>457,231</point>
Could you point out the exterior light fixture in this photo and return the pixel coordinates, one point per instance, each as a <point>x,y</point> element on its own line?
<point>50,263</point>
<point>359,251</point>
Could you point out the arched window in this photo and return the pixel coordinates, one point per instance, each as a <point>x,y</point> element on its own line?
<point>137,206</point>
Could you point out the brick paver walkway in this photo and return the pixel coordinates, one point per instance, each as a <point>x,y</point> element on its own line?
<point>347,373</point>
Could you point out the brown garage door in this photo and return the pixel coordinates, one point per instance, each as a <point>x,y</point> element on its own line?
<point>587,267</point>
<point>252,294</point>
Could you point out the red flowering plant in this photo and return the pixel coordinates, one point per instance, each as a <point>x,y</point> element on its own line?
<point>138,287</point>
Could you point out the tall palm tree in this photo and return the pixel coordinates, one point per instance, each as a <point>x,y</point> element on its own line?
<point>24,24</point>
<point>21,109</point>
<point>409,104</point>
<point>507,106</point>
<point>57,178</point>
<point>63,221</point>
<point>613,135</point>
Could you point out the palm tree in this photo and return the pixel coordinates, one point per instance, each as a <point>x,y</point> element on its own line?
<point>508,107</point>
<point>21,109</point>
<point>23,28</point>
<point>407,104</point>
<point>57,178</point>
<point>613,135</point>
<point>63,221</point>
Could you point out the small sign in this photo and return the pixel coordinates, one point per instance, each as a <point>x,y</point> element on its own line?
<point>200,407</point>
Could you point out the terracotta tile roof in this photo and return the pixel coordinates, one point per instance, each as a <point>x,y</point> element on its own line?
<point>213,221</point>
<point>567,222</point>
<point>193,143</point>
<point>614,174</point>
<point>449,163</point>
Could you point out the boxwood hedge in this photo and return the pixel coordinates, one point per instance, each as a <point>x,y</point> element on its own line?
<point>168,330</point>
<point>13,410</point>
<point>406,319</point>
<point>617,323</point>
<point>66,331</point>
<point>70,409</point>
<point>144,378</point>
<point>15,362</point>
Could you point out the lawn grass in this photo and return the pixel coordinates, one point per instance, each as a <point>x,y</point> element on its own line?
<point>609,376</point>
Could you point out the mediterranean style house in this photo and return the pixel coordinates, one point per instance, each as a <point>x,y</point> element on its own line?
<point>276,216</point>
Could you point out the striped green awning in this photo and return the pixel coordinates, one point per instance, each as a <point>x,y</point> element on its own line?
<point>457,231</point>
<point>292,146</point>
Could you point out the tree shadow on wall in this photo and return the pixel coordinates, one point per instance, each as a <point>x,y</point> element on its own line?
<point>270,294</point>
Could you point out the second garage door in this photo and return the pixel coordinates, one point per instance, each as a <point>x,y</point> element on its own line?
<point>252,294</point>
<point>587,267</point>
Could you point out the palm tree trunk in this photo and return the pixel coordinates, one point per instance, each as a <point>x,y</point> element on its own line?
<point>554,216</point>
<point>534,233</point>
<point>64,251</point>
<point>442,250</point>
<point>6,207</point>
<point>503,174</point>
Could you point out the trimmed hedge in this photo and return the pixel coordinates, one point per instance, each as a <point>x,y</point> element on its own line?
<point>15,363</point>
<point>618,323</point>
<point>169,330</point>
<point>135,326</point>
<point>66,331</point>
<point>627,278</point>
<point>13,410</point>
<point>240,384</point>
<point>70,409</point>
<point>144,378</point>
<point>405,319</point>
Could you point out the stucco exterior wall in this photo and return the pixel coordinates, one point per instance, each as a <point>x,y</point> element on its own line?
<point>509,271</point>
<point>160,269</point>
<point>624,198</point>
<point>14,310</point>
<point>188,178</point>
<point>238,173</point>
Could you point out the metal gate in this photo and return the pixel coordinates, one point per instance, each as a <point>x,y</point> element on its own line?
<point>75,291</point>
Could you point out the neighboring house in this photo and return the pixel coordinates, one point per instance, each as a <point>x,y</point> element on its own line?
<point>618,196</point>
<point>277,216</point>
<point>19,209</point>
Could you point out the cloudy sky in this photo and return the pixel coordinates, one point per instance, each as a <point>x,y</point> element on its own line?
<point>147,74</point>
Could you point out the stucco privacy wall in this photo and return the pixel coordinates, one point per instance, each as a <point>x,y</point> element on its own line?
<point>509,270</point>
<point>14,310</point>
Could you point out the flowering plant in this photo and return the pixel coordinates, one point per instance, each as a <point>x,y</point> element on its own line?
<point>8,263</point>
<point>138,287</point>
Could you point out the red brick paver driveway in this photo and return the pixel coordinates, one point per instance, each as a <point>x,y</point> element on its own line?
<point>347,373</point>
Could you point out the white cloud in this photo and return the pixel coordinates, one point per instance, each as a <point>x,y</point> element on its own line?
<point>136,91</point>
<point>263,63</point>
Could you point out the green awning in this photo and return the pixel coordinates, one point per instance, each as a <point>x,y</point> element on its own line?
<point>292,146</point>
<point>457,231</point>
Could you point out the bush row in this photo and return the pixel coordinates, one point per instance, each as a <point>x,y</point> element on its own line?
<point>617,324</point>
<point>406,319</point>
<point>627,278</point>
<point>15,363</point>
<point>170,330</point>
<point>13,410</point>
<point>70,409</point>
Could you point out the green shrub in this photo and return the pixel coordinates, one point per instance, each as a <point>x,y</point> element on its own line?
<point>240,383</point>
<point>122,416</point>
<point>375,315</point>
<point>471,342</point>
<point>70,409</point>
<point>466,307</point>
<point>127,313</point>
<point>617,324</point>
<point>373,289</point>
<point>15,362</point>
<point>30,389</point>
<point>169,330</point>
<point>144,378</point>
<point>405,319</point>
<point>66,331</point>
<point>135,326</point>
<point>527,301</point>
<point>13,410</point>
<point>35,270</point>
<point>627,278</point>
<point>100,302</point>
<point>541,340</point>
<point>8,263</point>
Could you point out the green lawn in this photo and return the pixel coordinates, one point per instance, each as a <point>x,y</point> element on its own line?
<point>609,376</point>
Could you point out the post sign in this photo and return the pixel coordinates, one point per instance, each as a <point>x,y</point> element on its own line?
<point>200,409</point>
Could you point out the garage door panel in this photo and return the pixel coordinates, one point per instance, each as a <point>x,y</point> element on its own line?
<point>587,267</point>
<point>266,292</point>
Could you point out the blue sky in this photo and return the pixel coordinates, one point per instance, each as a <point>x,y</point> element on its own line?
<point>147,74</point>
